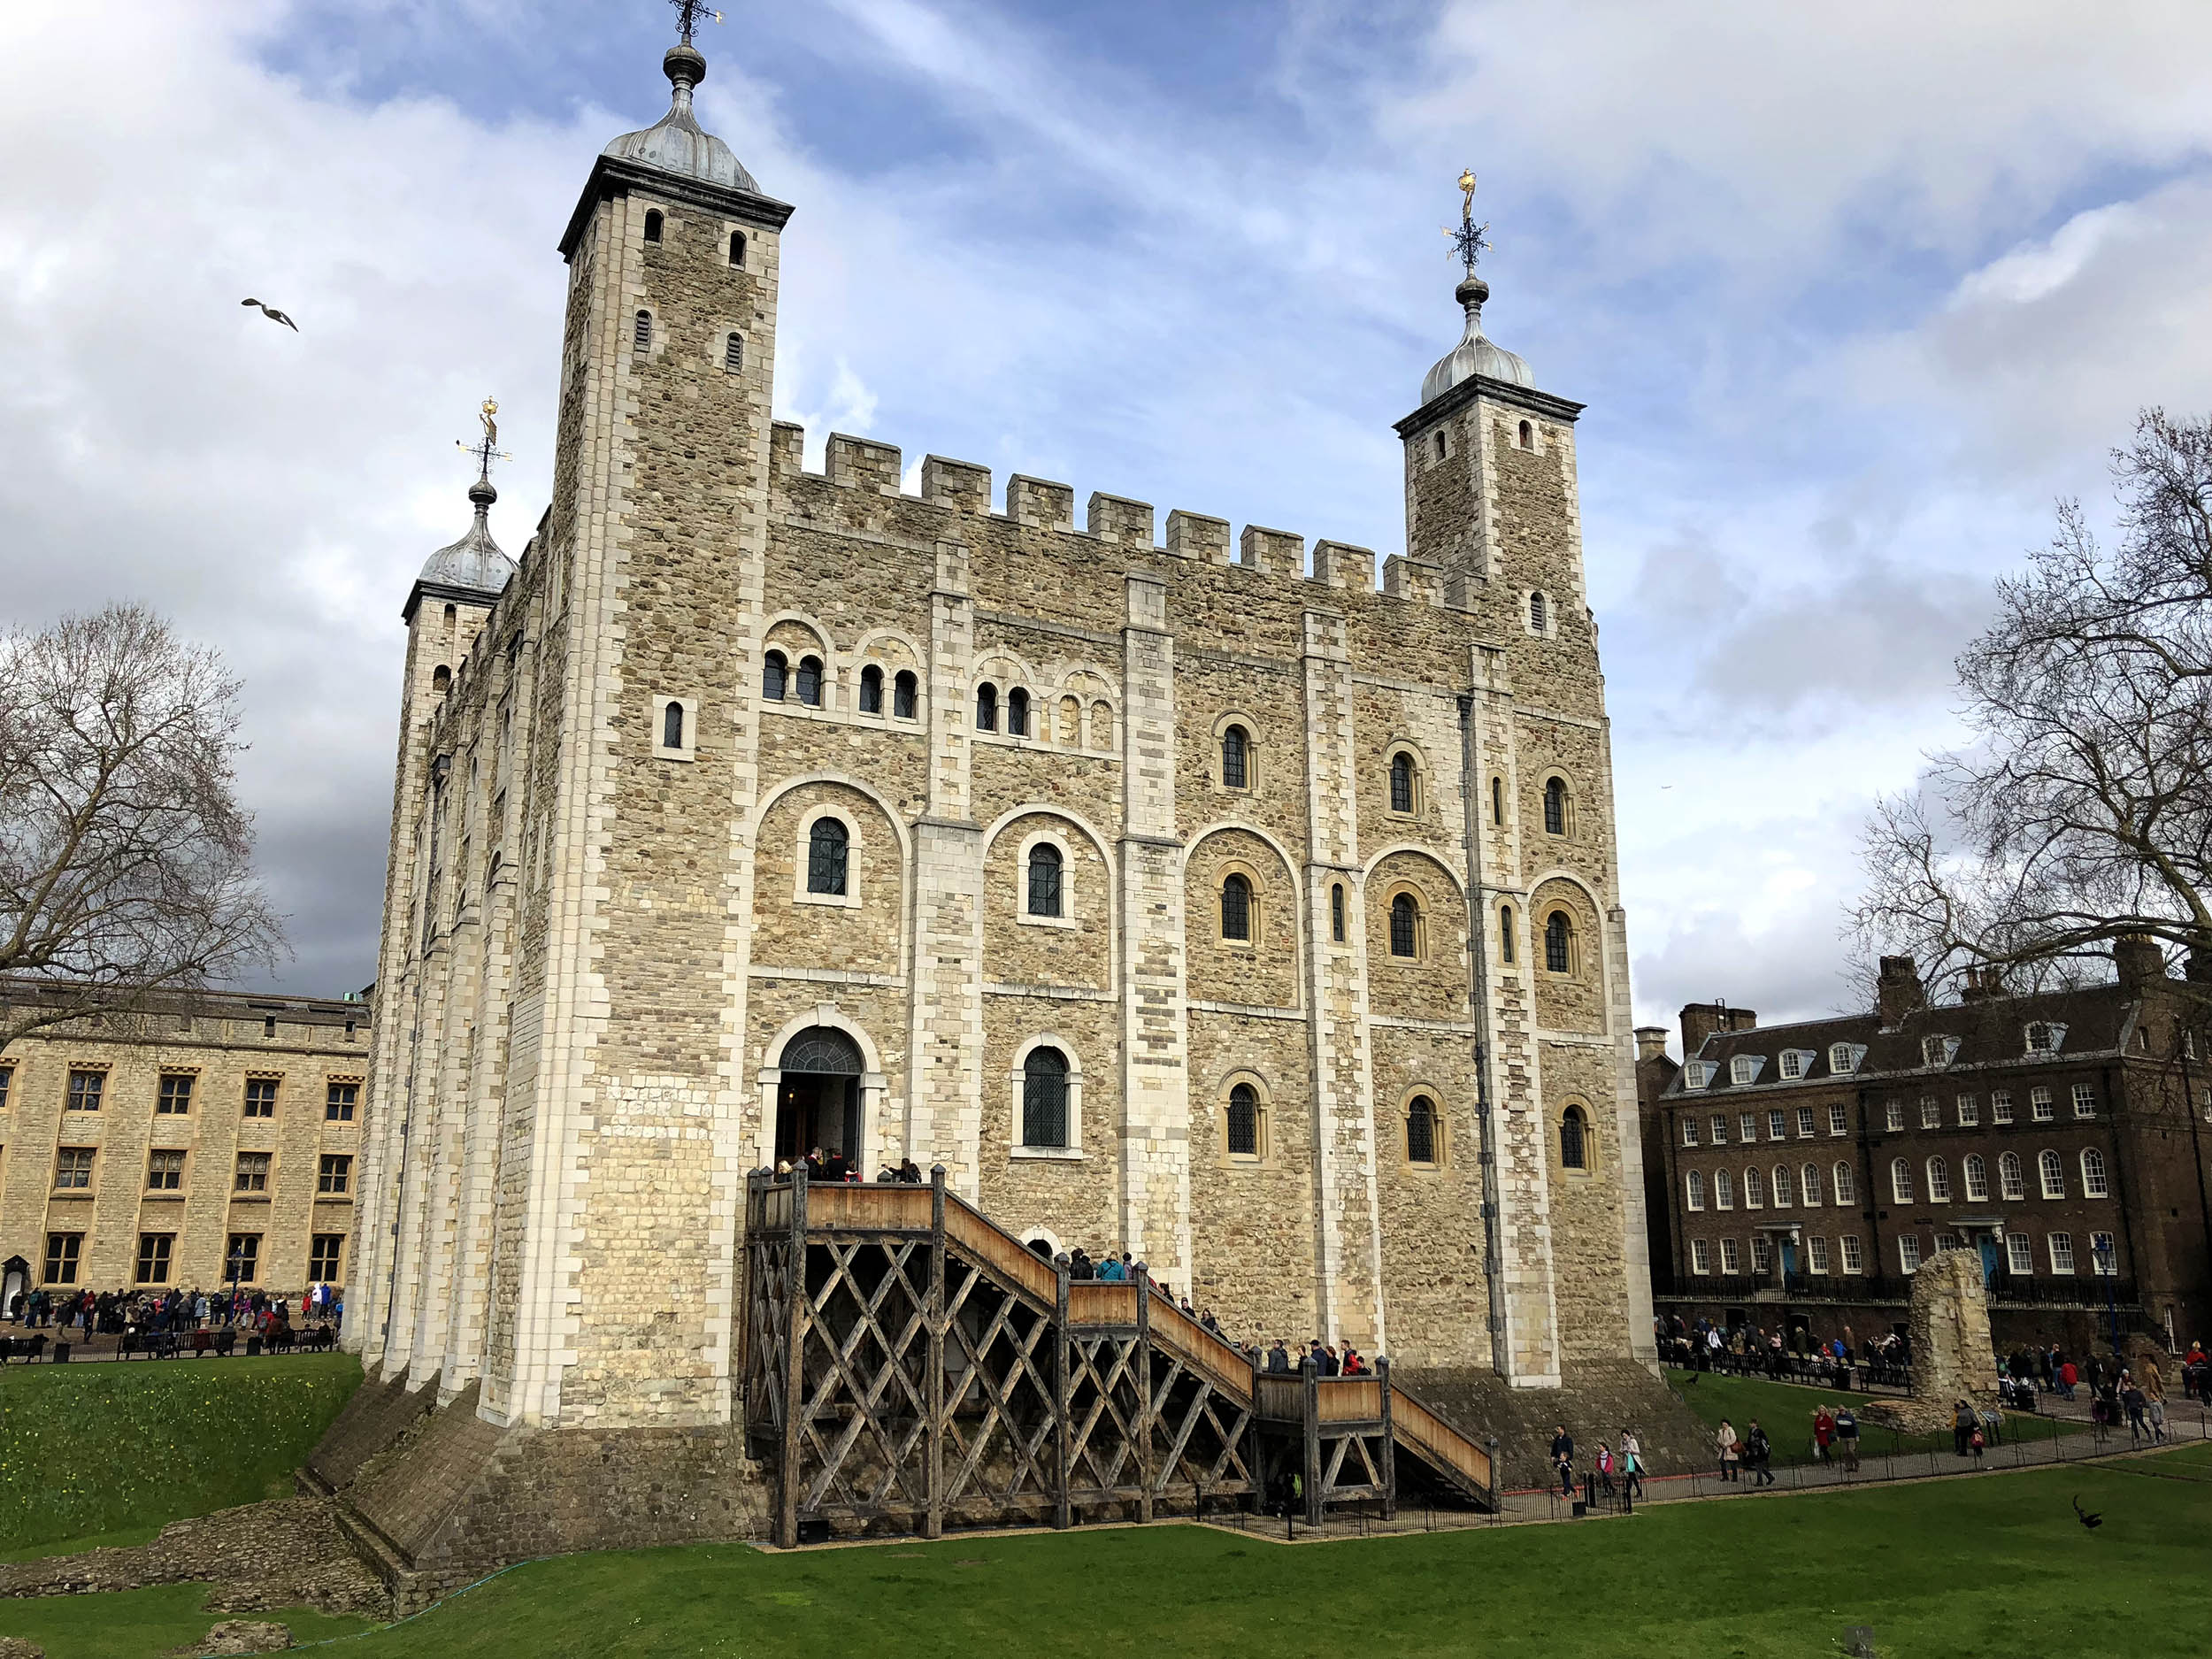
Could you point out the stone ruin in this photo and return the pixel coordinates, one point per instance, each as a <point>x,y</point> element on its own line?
<point>1953,1358</point>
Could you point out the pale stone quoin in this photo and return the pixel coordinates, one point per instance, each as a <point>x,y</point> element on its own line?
<point>1161,883</point>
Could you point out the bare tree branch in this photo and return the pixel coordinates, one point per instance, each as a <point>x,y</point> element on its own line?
<point>125,861</point>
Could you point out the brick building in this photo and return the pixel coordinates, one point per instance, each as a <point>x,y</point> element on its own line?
<point>1161,888</point>
<point>1802,1173</point>
<point>142,1149</point>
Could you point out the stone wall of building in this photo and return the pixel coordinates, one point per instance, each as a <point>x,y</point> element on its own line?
<point>168,1151</point>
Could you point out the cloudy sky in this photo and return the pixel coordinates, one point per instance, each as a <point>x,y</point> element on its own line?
<point>1852,294</point>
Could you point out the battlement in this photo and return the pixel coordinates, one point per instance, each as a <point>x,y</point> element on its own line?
<point>868,468</point>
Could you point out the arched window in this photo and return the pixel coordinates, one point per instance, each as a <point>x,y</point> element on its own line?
<point>1784,1188</point>
<point>1809,1185</point>
<point>1574,1142</point>
<point>1558,943</point>
<point>1938,1181</point>
<point>734,354</point>
<point>904,690</point>
<point>1694,1187</point>
<point>1845,1183</point>
<point>652,224</point>
<point>1539,611</point>
<point>871,690</point>
<point>1405,926</point>
<point>1497,800</point>
<point>1555,806</point>
<point>1901,1180</point>
<point>1976,1170</point>
<point>827,846</point>
<point>2053,1169</point>
<point>1017,712</point>
<point>1528,436</point>
<point>1101,726</point>
<point>1072,722</point>
<point>1755,1190</point>
<point>673,725</point>
<point>810,679</point>
<point>987,707</point>
<point>1236,908</point>
<point>1044,880</point>
<point>1233,744</point>
<point>1336,912</point>
<point>1421,1130</point>
<point>1244,1122</point>
<point>1045,1099</point>
<point>1724,1190</point>
<point>737,248</point>
<point>641,331</point>
<point>1401,783</point>
<point>2012,1181</point>
<point>1505,931</point>
<point>2093,1176</point>
<point>774,674</point>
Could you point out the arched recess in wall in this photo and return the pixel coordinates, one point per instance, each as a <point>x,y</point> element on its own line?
<point>1413,897</point>
<point>1092,897</point>
<point>1281,947</point>
<point>1575,999</point>
<point>892,827</point>
<point>807,1030</point>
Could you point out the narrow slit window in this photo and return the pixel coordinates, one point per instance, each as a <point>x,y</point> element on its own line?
<point>1558,943</point>
<point>1497,801</point>
<point>672,727</point>
<point>1574,1141</point>
<point>641,331</point>
<point>1505,933</point>
<point>1336,912</point>
<point>1556,807</point>
<point>737,249</point>
<point>1539,613</point>
<point>734,354</point>
<point>653,224</point>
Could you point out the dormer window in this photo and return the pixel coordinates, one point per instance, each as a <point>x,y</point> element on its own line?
<point>1697,1074</point>
<point>1938,1050</point>
<point>1745,1068</point>
<point>2045,1037</point>
<point>1845,1057</point>
<point>1795,1063</point>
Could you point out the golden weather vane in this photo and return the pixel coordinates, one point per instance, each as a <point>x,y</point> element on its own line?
<point>687,15</point>
<point>486,448</point>
<point>1469,240</point>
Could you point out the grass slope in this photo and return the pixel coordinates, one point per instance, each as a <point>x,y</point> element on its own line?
<point>139,1624</point>
<point>1986,1568</point>
<point>1786,1411</point>
<point>116,1450</point>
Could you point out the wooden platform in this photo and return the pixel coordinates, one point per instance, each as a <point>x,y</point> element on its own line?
<point>909,1364</point>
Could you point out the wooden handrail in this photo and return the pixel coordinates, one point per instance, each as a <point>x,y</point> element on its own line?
<point>1437,1438</point>
<point>1350,1399</point>
<point>1223,1364</point>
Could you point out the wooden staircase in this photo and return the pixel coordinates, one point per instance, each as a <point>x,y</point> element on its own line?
<point>907,1363</point>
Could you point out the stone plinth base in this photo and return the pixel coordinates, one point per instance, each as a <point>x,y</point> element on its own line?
<point>434,1497</point>
<point>1596,1398</point>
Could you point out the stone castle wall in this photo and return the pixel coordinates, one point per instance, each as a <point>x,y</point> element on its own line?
<point>598,945</point>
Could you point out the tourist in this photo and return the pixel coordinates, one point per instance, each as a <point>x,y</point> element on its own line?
<point>1563,1458</point>
<point>1977,1441</point>
<point>1758,1454</point>
<point>1848,1437</point>
<point>2132,1398</point>
<point>1279,1358</point>
<point>1112,1271</point>
<point>2193,1372</point>
<point>1603,1464</point>
<point>1724,1444</point>
<point>2153,1387</point>
<point>2068,1377</point>
<point>1632,1463</point>
<point>1964,1422</point>
<point>1823,1431</point>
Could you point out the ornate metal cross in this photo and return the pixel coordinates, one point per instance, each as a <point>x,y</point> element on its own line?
<point>1471,240</point>
<point>486,448</point>
<point>687,15</point>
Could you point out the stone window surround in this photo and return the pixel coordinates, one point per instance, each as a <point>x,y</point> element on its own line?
<point>1404,887</point>
<point>849,899</point>
<point>1440,1131</point>
<point>689,749</point>
<point>102,1068</point>
<point>874,1082</point>
<point>1233,716</point>
<point>1255,912</point>
<point>1554,775</point>
<point>870,652</point>
<point>1057,839</point>
<point>1589,1170</point>
<point>1550,630</point>
<point>192,1099</point>
<point>659,334</point>
<point>1263,1128</point>
<point>1071,1153</point>
<point>717,349</point>
<point>1574,970</point>
<point>1412,751</point>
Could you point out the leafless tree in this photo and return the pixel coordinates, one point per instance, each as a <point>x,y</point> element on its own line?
<point>125,861</point>
<point>2081,813</point>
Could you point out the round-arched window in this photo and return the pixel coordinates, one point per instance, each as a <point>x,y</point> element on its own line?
<point>1401,796</point>
<point>1045,1098</point>
<point>871,690</point>
<point>1574,1140</point>
<point>1556,807</point>
<point>987,707</point>
<point>827,845</point>
<point>903,692</point>
<point>1405,926</point>
<point>673,725</point>
<point>1244,1122</point>
<point>1234,757</point>
<point>1539,611</point>
<point>810,682</point>
<point>775,672</point>
<point>1421,1130</point>
<point>1559,940</point>
<point>1044,880</point>
<point>1236,908</point>
<point>1017,712</point>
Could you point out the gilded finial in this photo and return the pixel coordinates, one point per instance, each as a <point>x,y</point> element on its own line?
<point>486,448</point>
<point>1470,241</point>
<point>687,15</point>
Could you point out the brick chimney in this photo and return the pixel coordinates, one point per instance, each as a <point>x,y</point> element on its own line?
<point>1898,991</point>
<point>2139,960</point>
<point>1651,1043</point>
<point>1700,1020</point>
<point>1982,984</point>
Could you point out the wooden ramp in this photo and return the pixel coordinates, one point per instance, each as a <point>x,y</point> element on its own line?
<point>907,1363</point>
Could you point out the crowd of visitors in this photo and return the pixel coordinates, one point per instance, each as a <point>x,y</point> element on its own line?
<point>171,1321</point>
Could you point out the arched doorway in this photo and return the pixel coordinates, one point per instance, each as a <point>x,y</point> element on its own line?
<point>817,1099</point>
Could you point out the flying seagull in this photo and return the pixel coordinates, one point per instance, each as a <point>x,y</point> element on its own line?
<point>2090,1518</point>
<point>273,315</point>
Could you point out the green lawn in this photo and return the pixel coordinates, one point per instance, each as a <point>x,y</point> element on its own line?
<point>1987,1568</point>
<point>110,1452</point>
<point>1785,1409</point>
<point>140,1624</point>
